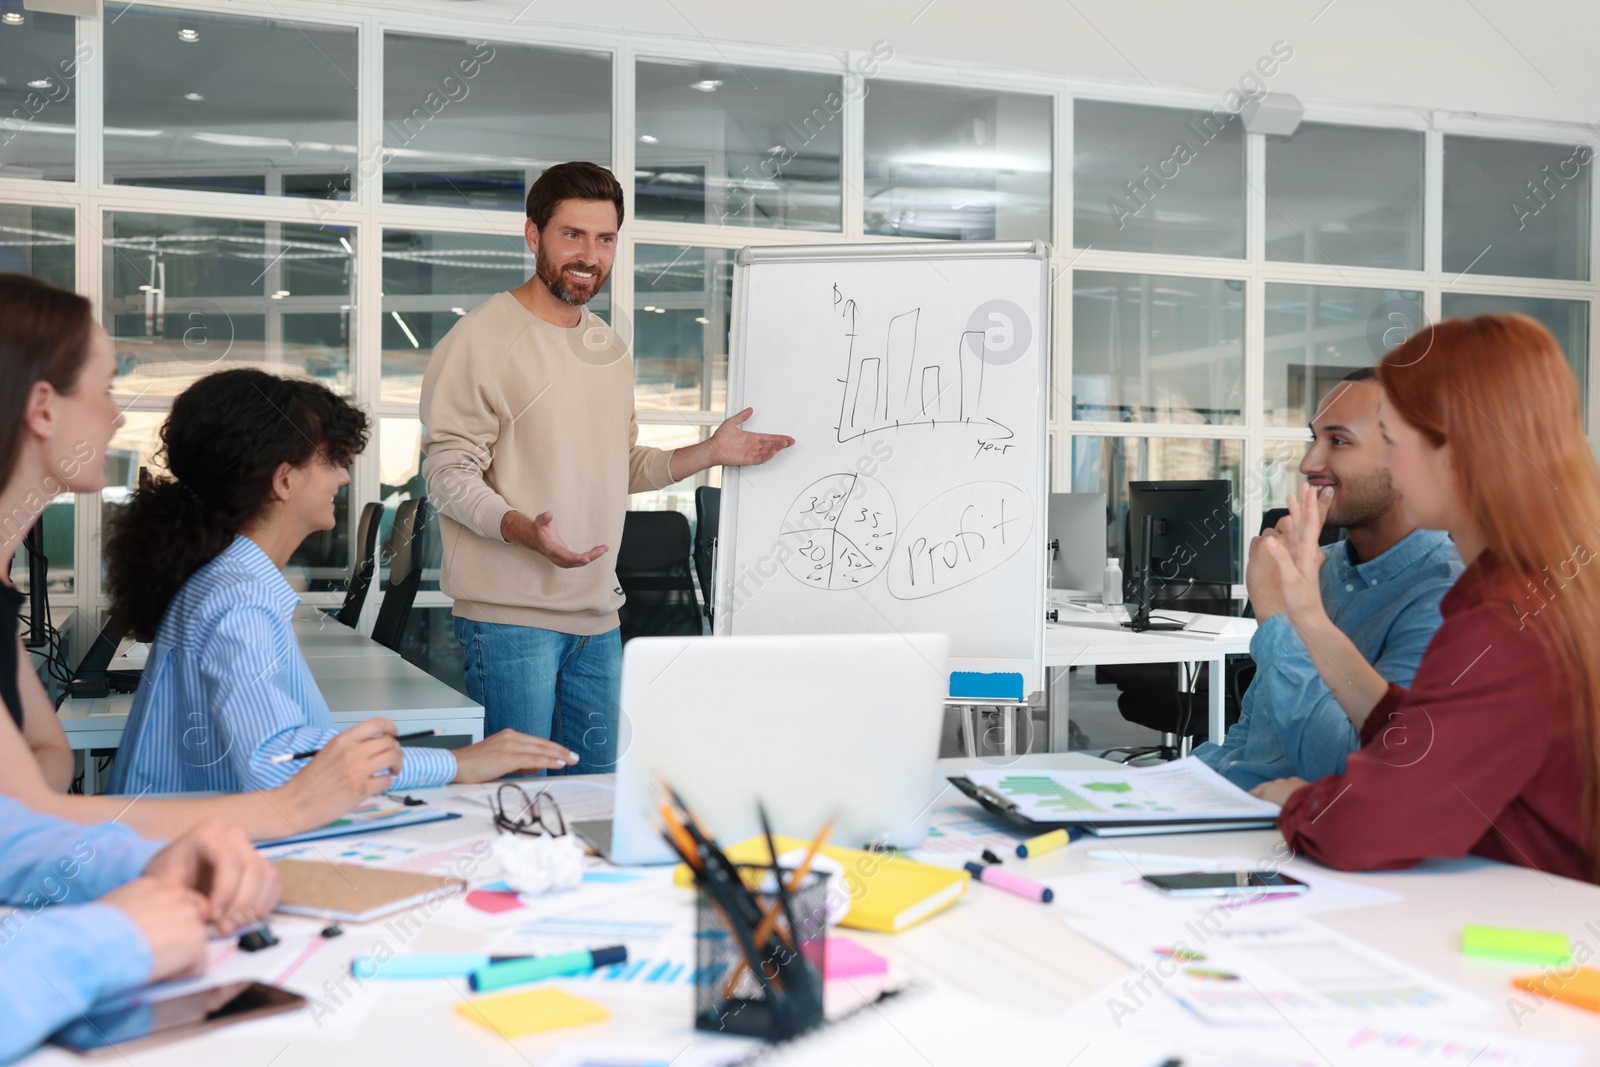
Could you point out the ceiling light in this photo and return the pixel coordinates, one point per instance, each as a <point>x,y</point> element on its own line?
<point>12,18</point>
<point>194,97</point>
<point>649,307</point>
<point>702,320</point>
<point>395,315</point>
<point>188,36</point>
<point>649,138</point>
<point>706,85</point>
<point>661,311</point>
<point>40,83</point>
<point>280,294</point>
<point>776,150</point>
<point>459,311</point>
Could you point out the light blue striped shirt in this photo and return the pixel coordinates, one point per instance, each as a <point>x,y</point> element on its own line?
<point>226,688</point>
<point>58,953</point>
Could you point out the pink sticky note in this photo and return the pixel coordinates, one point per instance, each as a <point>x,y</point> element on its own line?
<point>850,959</point>
<point>493,902</point>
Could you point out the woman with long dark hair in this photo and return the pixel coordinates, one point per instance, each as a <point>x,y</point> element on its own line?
<point>1495,747</point>
<point>151,904</point>
<point>256,462</point>
<point>56,373</point>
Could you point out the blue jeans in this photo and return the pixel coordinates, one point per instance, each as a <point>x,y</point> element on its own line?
<point>548,684</point>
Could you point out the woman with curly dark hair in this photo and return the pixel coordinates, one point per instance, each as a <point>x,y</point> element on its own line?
<point>194,564</point>
<point>57,369</point>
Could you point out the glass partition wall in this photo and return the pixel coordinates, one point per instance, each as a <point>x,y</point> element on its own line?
<point>326,193</point>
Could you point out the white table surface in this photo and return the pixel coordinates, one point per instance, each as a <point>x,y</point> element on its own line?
<point>1087,639</point>
<point>354,687</point>
<point>318,638</point>
<point>991,957</point>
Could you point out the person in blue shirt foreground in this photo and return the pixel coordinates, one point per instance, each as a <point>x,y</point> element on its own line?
<point>256,462</point>
<point>60,953</point>
<point>1381,586</point>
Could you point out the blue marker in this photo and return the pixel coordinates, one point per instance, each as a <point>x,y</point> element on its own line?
<point>565,964</point>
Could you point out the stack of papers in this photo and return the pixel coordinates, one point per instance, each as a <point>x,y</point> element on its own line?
<point>1229,972</point>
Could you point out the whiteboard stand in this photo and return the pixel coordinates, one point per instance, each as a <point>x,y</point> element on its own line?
<point>1007,710</point>
<point>915,379</point>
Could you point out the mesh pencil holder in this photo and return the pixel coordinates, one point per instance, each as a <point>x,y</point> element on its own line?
<point>771,990</point>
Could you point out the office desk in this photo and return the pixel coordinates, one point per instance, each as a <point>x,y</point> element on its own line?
<point>319,639</point>
<point>357,685</point>
<point>999,970</point>
<point>1096,639</point>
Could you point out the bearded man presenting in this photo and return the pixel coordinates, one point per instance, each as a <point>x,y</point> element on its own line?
<point>531,442</point>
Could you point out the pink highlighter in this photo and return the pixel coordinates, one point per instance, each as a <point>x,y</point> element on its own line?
<point>1011,883</point>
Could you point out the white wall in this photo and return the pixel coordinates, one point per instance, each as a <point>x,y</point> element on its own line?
<point>1529,59</point>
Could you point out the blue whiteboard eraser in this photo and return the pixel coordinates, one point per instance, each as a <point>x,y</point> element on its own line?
<point>976,685</point>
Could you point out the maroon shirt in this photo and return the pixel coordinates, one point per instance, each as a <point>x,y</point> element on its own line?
<point>1478,756</point>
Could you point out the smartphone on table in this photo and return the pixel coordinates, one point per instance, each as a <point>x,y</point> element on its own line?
<point>134,1024</point>
<point>1225,883</point>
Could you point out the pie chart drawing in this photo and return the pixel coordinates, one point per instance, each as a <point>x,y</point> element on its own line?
<point>840,532</point>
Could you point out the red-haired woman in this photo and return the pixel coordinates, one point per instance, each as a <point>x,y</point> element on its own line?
<point>1494,749</point>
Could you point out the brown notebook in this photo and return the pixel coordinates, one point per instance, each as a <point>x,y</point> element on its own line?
<point>355,894</point>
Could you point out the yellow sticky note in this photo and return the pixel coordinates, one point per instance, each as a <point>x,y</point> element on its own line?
<point>531,1012</point>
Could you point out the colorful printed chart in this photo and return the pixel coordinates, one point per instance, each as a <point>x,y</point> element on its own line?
<point>1180,790</point>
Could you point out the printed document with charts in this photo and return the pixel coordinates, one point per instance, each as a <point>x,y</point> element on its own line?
<point>1185,789</point>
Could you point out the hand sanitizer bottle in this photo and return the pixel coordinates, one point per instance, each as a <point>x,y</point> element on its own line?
<point>1111,583</point>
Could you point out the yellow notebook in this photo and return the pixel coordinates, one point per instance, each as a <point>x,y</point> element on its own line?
<point>888,893</point>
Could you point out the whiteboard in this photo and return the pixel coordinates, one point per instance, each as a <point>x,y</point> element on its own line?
<point>914,379</point>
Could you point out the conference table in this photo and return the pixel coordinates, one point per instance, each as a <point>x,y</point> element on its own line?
<point>358,677</point>
<point>996,979</point>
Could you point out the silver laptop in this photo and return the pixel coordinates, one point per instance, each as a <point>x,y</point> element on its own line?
<point>811,726</point>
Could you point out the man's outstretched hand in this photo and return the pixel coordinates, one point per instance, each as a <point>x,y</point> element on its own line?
<point>734,446</point>
<point>730,446</point>
<point>540,535</point>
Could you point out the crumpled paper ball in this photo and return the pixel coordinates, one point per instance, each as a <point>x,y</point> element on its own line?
<point>539,864</point>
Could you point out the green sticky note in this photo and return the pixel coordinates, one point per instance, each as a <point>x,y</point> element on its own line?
<point>1518,946</point>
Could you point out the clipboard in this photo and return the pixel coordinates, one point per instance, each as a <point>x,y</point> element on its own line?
<point>999,806</point>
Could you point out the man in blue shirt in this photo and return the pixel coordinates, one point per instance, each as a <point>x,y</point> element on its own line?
<point>59,953</point>
<point>1381,585</point>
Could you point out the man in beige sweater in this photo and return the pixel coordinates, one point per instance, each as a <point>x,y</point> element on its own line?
<point>530,435</point>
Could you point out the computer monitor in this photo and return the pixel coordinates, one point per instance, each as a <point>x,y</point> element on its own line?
<point>38,586</point>
<point>1077,525</point>
<point>1191,528</point>
<point>94,678</point>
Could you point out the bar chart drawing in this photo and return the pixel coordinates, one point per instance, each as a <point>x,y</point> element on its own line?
<point>896,378</point>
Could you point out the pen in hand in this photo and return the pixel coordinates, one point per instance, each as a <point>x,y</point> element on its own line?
<point>286,757</point>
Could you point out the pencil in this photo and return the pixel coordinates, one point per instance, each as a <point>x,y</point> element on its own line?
<point>287,757</point>
<point>770,919</point>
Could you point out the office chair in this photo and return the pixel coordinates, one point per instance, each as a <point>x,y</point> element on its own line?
<point>355,593</point>
<point>405,550</point>
<point>653,569</point>
<point>707,512</point>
